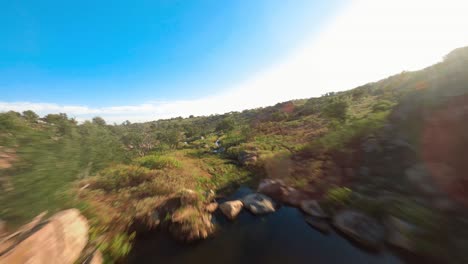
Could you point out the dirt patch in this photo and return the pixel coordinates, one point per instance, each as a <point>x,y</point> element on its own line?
<point>7,157</point>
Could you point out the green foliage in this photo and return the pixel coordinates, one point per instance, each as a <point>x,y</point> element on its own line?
<point>121,176</point>
<point>158,162</point>
<point>383,105</point>
<point>338,197</point>
<point>336,109</point>
<point>226,125</point>
<point>343,134</point>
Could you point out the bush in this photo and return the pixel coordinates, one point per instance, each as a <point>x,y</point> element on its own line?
<point>158,162</point>
<point>337,198</point>
<point>121,176</point>
<point>336,109</point>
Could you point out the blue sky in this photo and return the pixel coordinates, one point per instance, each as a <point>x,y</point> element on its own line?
<point>106,53</point>
<point>145,60</point>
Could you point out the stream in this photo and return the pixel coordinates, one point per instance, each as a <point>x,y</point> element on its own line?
<point>280,237</point>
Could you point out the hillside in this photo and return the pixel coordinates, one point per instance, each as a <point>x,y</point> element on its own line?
<point>393,147</point>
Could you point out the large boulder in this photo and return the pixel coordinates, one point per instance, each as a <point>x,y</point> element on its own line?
<point>277,190</point>
<point>312,207</point>
<point>231,208</point>
<point>247,157</point>
<point>360,227</point>
<point>211,207</point>
<point>190,223</point>
<point>59,239</point>
<point>399,233</point>
<point>258,203</point>
<point>319,224</point>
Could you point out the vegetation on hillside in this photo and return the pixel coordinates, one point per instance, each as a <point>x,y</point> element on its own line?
<point>346,147</point>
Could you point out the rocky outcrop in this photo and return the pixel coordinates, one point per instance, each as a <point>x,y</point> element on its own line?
<point>280,192</point>
<point>231,208</point>
<point>361,228</point>
<point>319,224</point>
<point>399,233</point>
<point>211,207</point>
<point>189,223</point>
<point>59,239</point>
<point>247,157</point>
<point>258,203</point>
<point>312,207</point>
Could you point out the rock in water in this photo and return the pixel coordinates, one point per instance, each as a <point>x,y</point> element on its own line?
<point>360,227</point>
<point>231,208</point>
<point>211,207</point>
<point>312,207</point>
<point>258,203</point>
<point>318,224</point>
<point>399,233</point>
<point>58,240</point>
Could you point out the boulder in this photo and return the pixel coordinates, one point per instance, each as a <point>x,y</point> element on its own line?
<point>258,203</point>
<point>96,258</point>
<point>312,207</point>
<point>273,188</point>
<point>60,239</point>
<point>419,176</point>
<point>231,208</point>
<point>361,228</point>
<point>247,157</point>
<point>319,224</point>
<point>399,232</point>
<point>189,223</point>
<point>277,190</point>
<point>211,207</point>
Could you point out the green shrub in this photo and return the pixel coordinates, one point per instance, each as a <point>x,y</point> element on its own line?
<point>337,198</point>
<point>121,176</point>
<point>158,162</point>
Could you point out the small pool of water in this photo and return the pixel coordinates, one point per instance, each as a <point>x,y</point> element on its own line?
<point>281,237</point>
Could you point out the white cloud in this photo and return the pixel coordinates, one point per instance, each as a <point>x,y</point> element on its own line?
<point>366,41</point>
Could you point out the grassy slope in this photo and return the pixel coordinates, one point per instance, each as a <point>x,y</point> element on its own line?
<point>309,143</point>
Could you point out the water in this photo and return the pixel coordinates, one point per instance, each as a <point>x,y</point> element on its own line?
<point>281,237</point>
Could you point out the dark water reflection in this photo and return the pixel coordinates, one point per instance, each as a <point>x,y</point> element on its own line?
<point>281,237</point>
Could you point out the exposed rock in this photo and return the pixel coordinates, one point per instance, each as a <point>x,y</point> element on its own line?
<point>96,258</point>
<point>57,240</point>
<point>273,188</point>
<point>247,157</point>
<point>231,208</point>
<point>419,176</point>
<point>444,204</point>
<point>399,233</point>
<point>280,192</point>
<point>319,224</point>
<point>188,224</point>
<point>258,203</point>
<point>312,207</point>
<point>210,208</point>
<point>360,228</point>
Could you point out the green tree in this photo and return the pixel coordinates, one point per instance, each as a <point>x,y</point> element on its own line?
<point>336,109</point>
<point>30,116</point>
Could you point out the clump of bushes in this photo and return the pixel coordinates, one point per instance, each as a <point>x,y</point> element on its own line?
<point>121,176</point>
<point>337,198</point>
<point>158,162</point>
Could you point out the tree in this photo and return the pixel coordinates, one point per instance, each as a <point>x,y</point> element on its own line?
<point>99,121</point>
<point>336,109</point>
<point>30,116</point>
<point>226,125</point>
